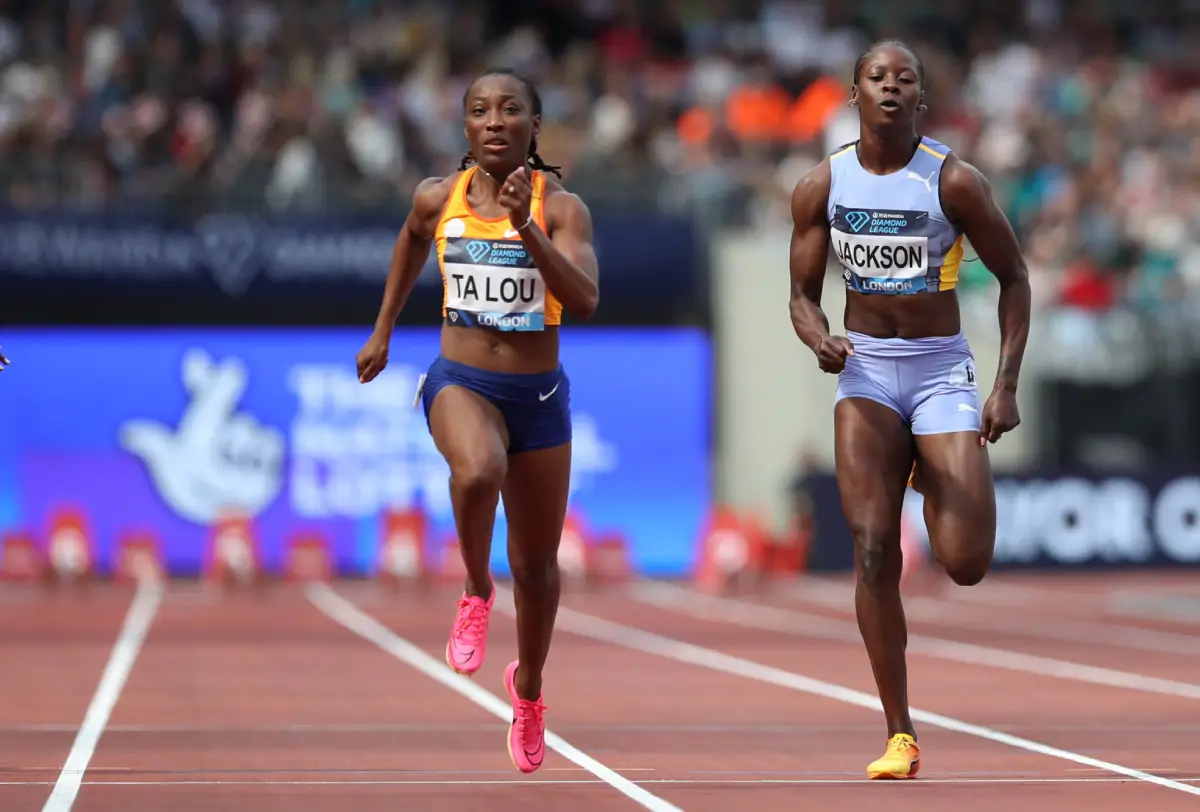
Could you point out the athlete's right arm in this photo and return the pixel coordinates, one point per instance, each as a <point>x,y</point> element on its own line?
<point>809,257</point>
<point>411,250</point>
<point>810,254</point>
<point>408,258</point>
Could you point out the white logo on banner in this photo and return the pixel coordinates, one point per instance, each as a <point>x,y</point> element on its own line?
<point>216,458</point>
<point>356,450</point>
<point>351,450</point>
<point>229,246</point>
<point>591,455</point>
<point>1073,520</point>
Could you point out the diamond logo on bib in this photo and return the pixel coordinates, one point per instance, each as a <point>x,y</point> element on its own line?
<point>857,219</point>
<point>478,250</point>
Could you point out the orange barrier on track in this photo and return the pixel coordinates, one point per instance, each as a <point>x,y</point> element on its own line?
<point>308,558</point>
<point>233,556</point>
<point>70,548</point>
<point>608,560</point>
<point>731,553</point>
<point>402,557</point>
<point>138,557</point>
<point>20,558</point>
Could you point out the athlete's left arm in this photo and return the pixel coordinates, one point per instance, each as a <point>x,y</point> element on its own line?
<point>968,200</point>
<point>566,257</point>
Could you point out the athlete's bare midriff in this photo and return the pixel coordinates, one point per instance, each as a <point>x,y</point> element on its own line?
<point>495,351</point>
<point>919,315</point>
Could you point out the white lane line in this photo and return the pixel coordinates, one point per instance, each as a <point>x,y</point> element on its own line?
<point>669,648</point>
<point>987,593</point>
<point>516,782</point>
<point>763,729</point>
<point>367,627</point>
<point>120,663</point>
<point>759,616</point>
<point>1179,609</point>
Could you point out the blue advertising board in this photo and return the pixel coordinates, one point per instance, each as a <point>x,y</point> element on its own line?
<point>225,263</point>
<point>1051,519</point>
<point>159,428</point>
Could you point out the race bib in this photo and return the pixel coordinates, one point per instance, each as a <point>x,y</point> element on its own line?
<point>881,251</point>
<point>494,284</point>
<point>882,264</point>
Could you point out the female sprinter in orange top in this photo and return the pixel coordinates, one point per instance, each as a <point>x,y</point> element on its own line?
<point>515,249</point>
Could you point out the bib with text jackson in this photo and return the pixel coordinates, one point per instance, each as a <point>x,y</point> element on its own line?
<point>881,250</point>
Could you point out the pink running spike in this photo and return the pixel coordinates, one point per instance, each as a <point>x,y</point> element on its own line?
<point>527,734</point>
<point>467,646</point>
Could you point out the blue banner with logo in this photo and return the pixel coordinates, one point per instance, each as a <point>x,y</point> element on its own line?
<point>1056,519</point>
<point>649,264</point>
<point>158,429</point>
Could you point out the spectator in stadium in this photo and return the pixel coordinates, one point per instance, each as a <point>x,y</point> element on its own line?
<point>712,110</point>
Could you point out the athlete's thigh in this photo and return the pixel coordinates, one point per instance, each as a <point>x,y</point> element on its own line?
<point>873,455</point>
<point>955,478</point>
<point>535,502</point>
<point>468,430</point>
<point>953,472</point>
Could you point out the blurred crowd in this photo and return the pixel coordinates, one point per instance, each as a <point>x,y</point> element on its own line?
<point>1087,125</point>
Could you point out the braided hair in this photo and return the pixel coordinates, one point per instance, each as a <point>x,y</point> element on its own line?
<point>533,160</point>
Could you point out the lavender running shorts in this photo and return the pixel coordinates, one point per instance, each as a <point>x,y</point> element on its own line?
<point>929,382</point>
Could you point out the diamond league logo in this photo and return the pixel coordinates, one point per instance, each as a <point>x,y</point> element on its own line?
<point>478,249</point>
<point>857,219</point>
<point>229,249</point>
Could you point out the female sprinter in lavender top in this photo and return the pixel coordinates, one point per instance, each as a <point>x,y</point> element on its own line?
<point>515,250</point>
<point>894,207</point>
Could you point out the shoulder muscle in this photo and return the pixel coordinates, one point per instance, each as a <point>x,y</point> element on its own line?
<point>429,201</point>
<point>566,210</point>
<point>810,197</point>
<point>963,188</point>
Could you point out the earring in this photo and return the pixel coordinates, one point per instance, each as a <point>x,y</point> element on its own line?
<point>921,108</point>
<point>852,103</point>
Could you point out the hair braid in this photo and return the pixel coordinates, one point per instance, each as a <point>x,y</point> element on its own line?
<point>535,161</point>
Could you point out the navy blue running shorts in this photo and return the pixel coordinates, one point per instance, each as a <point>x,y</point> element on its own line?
<point>536,407</point>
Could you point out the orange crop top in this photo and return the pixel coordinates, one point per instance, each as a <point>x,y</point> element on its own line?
<point>489,278</point>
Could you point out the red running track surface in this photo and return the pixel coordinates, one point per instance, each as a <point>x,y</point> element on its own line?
<point>266,702</point>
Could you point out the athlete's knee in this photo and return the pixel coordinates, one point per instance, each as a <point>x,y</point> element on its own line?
<point>877,558</point>
<point>479,476</point>
<point>965,560</point>
<point>534,573</point>
<point>967,566</point>
<point>963,544</point>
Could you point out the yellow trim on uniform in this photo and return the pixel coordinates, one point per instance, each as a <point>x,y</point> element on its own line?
<point>950,266</point>
<point>842,151</point>
<point>931,151</point>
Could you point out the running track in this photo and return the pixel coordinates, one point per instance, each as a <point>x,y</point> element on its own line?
<point>1035,694</point>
